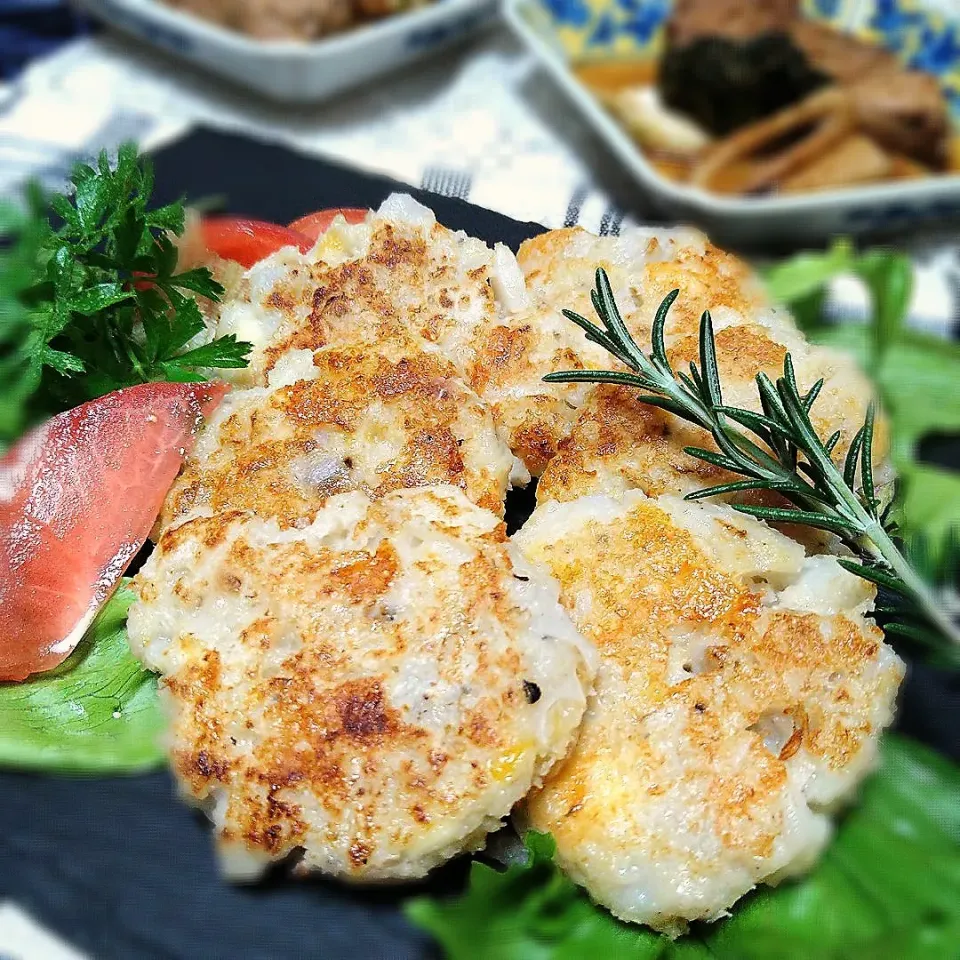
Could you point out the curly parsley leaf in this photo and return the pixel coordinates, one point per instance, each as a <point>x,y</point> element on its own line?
<point>21,235</point>
<point>97,713</point>
<point>886,889</point>
<point>95,302</point>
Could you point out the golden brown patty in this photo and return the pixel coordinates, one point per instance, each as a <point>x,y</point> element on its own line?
<point>618,443</point>
<point>740,696</point>
<point>375,690</point>
<point>374,418</point>
<point>400,273</point>
<point>508,373</point>
<point>644,265</point>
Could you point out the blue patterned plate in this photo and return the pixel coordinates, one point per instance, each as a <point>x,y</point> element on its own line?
<point>292,71</point>
<point>922,34</point>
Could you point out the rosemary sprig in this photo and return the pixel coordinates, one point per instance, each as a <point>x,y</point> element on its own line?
<point>779,450</point>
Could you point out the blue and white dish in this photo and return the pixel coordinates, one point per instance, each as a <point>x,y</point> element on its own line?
<point>293,71</point>
<point>924,35</point>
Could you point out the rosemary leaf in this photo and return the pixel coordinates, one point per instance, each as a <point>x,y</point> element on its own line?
<point>807,518</point>
<point>866,462</point>
<point>659,322</point>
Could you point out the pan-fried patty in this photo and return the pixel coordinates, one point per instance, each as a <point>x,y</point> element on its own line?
<point>397,273</point>
<point>374,418</point>
<point>644,265</point>
<point>618,443</point>
<point>740,697</point>
<point>375,690</point>
<point>512,357</point>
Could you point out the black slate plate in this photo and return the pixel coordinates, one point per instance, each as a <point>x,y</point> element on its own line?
<point>120,867</point>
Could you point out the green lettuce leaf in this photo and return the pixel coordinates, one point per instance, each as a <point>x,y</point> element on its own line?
<point>917,378</point>
<point>887,888</point>
<point>530,911</point>
<point>97,713</point>
<point>918,381</point>
<point>931,502</point>
<point>805,275</point>
<point>801,282</point>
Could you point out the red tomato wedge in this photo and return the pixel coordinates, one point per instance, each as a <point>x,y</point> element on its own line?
<point>315,225</point>
<point>78,497</point>
<point>249,241</point>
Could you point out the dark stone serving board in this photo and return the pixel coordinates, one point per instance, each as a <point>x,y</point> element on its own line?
<point>120,867</point>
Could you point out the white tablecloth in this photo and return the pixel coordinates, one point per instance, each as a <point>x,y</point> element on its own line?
<point>461,123</point>
<point>480,122</point>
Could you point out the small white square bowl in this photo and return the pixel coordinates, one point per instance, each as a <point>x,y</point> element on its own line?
<point>292,71</point>
<point>746,221</point>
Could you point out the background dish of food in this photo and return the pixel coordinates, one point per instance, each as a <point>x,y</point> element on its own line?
<point>293,19</point>
<point>761,100</point>
<point>292,70</point>
<point>603,52</point>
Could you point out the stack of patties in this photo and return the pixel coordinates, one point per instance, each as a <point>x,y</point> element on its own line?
<point>742,690</point>
<point>361,671</point>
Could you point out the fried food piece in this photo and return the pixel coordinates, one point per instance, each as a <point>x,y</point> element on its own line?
<point>374,418</point>
<point>855,159</point>
<point>399,273</point>
<point>841,56</point>
<point>274,19</point>
<point>619,443</point>
<point>644,265</point>
<point>904,110</point>
<point>740,697</point>
<point>695,19</point>
<point>758,157</point>
<point>372,692</point>
<point>386,8</point>
<point>508,373</point>
<point>661,131</point>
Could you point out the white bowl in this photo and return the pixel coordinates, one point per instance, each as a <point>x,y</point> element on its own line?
<point>293,71</point>
<point>736,220</point>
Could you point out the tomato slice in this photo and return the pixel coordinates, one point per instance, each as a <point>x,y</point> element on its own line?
<point>249,241</point>
<point>315,225</point>
<point>78,497</point>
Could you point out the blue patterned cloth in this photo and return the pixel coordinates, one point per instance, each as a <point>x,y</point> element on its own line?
<point>31,28</point>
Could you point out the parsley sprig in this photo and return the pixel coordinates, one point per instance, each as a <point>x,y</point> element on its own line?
<point>91,299</point>
<point>777,450</point>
